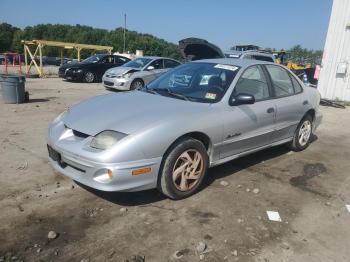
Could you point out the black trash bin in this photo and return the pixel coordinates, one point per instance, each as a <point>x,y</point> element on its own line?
<point>13,89</point>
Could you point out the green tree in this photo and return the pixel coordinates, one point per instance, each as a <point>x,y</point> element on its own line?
<point>150,44</point>
<point>6,35</point>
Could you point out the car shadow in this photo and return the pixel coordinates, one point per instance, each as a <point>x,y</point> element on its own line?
<point>228,169</point>
<point>236,165</point>
<point>115,90</point>
<point>127,198</point>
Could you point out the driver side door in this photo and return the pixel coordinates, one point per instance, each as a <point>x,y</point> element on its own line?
<point>104,64</point>
<point>158,69</point>
<point>249,126</point>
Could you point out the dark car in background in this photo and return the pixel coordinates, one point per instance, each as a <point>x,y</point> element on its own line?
<point>92,68</point>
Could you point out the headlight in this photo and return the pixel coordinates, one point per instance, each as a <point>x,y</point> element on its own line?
<point>127,75</point>
<point>106,139</point>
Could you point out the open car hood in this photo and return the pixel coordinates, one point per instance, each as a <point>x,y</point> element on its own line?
<point>196,48</point>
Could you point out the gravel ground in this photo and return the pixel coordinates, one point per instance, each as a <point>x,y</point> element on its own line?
<point>226,221</point>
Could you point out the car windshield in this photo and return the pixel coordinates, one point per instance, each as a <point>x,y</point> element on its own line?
<point>138,63</point>
<point>93,59</point>
<point>200,82</point>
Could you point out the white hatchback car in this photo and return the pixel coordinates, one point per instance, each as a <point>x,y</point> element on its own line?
<point>137,73</point>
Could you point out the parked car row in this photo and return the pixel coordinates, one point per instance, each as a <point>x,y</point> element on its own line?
<point>46,60</point>
<point>168,132</point>
<point>92,68</point>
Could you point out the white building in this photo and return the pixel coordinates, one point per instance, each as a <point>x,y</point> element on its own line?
<point>335,69</point>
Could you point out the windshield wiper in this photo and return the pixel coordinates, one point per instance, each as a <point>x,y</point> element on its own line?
<point>150,90</point>
<point>171,92</point>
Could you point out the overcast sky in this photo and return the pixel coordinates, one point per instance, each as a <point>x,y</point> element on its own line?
<point>267,23</point>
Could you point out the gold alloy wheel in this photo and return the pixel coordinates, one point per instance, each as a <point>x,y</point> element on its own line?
<point>188,169</point>
<point>305,132</point>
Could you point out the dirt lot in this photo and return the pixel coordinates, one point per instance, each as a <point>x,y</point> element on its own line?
<point>309,189</point>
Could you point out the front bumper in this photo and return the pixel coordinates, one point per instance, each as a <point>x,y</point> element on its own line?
<point>94,174</point>
<point>116,83</point>
<point>70,74</point>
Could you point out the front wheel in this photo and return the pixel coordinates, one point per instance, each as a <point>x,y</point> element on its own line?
<point>184,168</point>
<point>136,84</point>
<point>89,77</point>
<point>302,135</point>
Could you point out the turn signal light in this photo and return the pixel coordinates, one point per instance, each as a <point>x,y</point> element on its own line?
<point>141,171</point>
<point>110,173</point>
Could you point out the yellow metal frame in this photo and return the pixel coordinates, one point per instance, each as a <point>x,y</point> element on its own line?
<point>40,44</point>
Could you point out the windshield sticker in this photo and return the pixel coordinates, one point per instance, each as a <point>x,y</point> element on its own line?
<point>227,67</point>
<point>210,96</point>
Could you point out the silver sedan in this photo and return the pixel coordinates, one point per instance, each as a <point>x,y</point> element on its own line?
<point>137,73</point>
<point>196,116</point>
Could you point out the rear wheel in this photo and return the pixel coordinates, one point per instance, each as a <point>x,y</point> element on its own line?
<point>302,135</point>
<point>184,168</point>
<point>89,77</point>
<point>136,84</point>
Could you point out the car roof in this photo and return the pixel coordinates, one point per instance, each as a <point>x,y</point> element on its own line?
<point>235,62</point>
<point>254,52</point>
<point>155,57</point>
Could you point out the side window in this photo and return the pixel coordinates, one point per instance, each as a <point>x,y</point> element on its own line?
<point>281,81</point>
<point>108,60</point>
<point>157,64</point>
<point>120,60</point>
<point>297,86</point>
<point>253,82</point>
<point>170,63</point>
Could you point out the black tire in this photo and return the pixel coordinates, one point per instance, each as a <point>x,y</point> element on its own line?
<point>136,84</point>
<point>296,144</point>
<point>166,185</point>
<point>26,96</point>
<point>89,77</point>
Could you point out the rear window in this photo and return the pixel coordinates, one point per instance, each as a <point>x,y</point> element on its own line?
<point>282,83</point>
<point>262,58</point>
<point>259,57</point>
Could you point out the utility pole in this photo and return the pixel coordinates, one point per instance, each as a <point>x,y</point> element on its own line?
<point>124,32</point>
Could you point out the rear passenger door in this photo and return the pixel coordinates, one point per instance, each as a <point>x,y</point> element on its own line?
<point>290,105</point>
<point>249,126</point>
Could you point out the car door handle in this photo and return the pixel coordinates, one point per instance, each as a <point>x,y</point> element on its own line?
<point>270,110</point>
<point>305,102</point>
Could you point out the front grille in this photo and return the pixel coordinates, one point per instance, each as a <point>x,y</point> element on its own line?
<point>107,83</point>
<point>79,134</point>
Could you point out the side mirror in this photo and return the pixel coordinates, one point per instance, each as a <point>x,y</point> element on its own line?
<point>242,99</point>
<point>150,68</point>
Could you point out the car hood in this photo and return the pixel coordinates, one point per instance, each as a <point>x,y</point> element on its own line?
<point>197,48</point>
<point>75,65</point>
<point>121,70</point>
<point>128,112</point>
